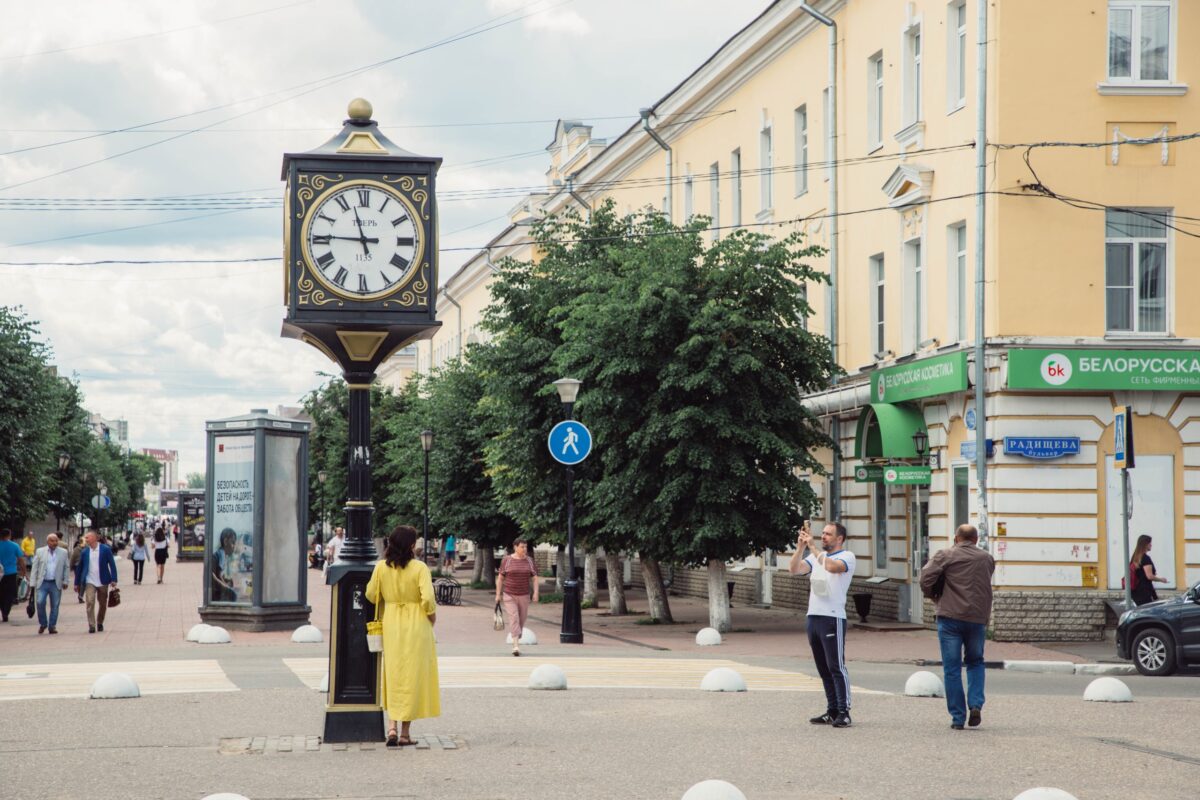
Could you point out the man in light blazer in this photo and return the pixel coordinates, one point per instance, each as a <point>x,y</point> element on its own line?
<point>50,566</point>
<point>97,571</point>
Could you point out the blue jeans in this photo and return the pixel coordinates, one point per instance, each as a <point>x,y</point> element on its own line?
<point>50,589</point>
<point>961,641</point>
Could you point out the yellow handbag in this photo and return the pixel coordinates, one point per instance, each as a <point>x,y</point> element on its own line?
<point>375,630</point>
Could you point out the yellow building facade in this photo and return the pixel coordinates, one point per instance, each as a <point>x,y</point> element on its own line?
<point>1089,228</point>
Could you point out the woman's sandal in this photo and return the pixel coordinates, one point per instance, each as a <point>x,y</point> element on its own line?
<point>406,741</point>
<point>392,741</point>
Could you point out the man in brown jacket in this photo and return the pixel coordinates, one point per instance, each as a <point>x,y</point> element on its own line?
<point>959,581</point>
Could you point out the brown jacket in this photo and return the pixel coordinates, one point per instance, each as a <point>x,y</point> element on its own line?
<point>967,592</point>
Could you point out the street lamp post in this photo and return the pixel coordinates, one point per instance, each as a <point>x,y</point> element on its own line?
<point>426,445</point>
<point>572,615</point>
<point>64,461</point>
<point>921,445</point>
<point>321,476</point>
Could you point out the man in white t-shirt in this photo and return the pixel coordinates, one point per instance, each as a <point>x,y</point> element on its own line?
<point>831,566</point>
<point>333,550</point>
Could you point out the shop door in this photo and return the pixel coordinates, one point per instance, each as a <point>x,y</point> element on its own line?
<point>919,550</point>
<point>1152,488</point>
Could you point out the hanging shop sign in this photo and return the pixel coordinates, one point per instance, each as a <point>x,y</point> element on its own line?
<point>925,378</point>
<point>967,449</point>
<point>1073,370</point>
<point>1041,447</point>
<point>903,474</point>
<point>868,473</point>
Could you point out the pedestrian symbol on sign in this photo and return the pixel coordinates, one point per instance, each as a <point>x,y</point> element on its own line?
<point>570,442</point>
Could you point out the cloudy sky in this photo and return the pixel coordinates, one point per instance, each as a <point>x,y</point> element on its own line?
<point>139,131</point>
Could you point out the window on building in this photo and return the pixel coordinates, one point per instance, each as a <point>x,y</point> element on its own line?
<point>912,76</point>
<point>875,101</point>
<point>766,163</point>
<point>801,116</point>
<point>689,194</point>
<point>956,281</point>
<point>878,306</point>
<point>735,174</point>
<point>714,199</point>
<point>1139,40</point>
<point>956,57</point>
<point>915,308</point>
<point>1135,267</point>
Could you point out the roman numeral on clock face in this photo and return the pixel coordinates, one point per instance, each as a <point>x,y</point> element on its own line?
<point>343,202</point>
<point>383,205</point>
<point>400,220</point>
<point>328,219</point>
<point>386,280</point>
<point>324,260</point>
<point>340,277</point>
<point>364,198</point>
<point>362,283</point>
<point>404,241</point>
<point>400,261</point>
<point>321,238</point>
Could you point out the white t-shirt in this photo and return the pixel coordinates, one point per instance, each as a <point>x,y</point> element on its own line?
<point>833,602</point>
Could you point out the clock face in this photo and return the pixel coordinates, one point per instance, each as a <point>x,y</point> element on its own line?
<point>362,239</point>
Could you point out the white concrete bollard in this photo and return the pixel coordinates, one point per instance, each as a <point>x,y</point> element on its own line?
<point>1045,793</point>
<point>708,637</point>
<point>325,683</point>
<point>113,686</point>
<point>225,796</point>
<point>1108,690</point>
<point>307,634</point>
<point>924,684</point>
<point>714,790</point>
<point>193,634</point>
<point>527,637</point>
<point>723,679</point>
<point>214,635</point>
<point>549,677</point>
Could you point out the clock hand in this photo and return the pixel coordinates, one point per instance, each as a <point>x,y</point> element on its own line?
<point>362,238</point>
<point>354,239</point>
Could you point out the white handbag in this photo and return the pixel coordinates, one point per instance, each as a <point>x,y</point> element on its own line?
<point>498,618</point>
<point>375,630</point>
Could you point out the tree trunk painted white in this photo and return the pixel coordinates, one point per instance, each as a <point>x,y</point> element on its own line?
<point>616,585</point>
<point>590,578</point>
<point>561,560</point>
<point>489,568</point>
<point>477,572</point>
<point>656,594</point>
<point>718,597</point>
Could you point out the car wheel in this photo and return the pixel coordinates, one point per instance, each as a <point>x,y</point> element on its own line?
<point>1154,652</point>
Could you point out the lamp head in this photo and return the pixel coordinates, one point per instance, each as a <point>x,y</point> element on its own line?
<point>64,461</point>
<point>321,476</point>
<point>426,440</point>
<point>920,442</point>
<point>568,389</point>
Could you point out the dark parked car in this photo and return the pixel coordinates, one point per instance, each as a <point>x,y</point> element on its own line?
<point>1164,636</point>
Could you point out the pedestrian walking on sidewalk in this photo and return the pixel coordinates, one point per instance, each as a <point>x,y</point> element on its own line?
<point>50,565</point>
<point>448,558</point>
<point>28,548</point>
<point>1142,573</point>
<point>137,554</point>
<point>96,574</point>
<point>12,567</point>
<point>162,549</point>
<point>830,567</point>
<point>959,581</point>
<point>517,574</point>
<point>76,554</point>
<point>409,682</point>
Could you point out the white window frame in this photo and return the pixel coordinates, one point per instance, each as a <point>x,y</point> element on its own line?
<point>875,102</point>
<point>914,45</point>
<point>800,117</point>
<point>956,282</point>
<point>735,174</point>
<point>1134,7</point>
<point>1168,277</point>
<point>956,55</point>
<point>916,307</point>
<point>766,168</point>
<point>714,198</point>
<point>689,194</point>
<point>878,277</point>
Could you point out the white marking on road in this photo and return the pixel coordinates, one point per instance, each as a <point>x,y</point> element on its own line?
<point>45,681</point>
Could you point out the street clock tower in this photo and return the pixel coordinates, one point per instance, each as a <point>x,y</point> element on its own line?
<point>360,278</point>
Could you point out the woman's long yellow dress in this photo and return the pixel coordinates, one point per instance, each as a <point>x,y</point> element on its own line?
<point>409,683</point>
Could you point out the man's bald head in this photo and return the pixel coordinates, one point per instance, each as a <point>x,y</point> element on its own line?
<point>966,533</point>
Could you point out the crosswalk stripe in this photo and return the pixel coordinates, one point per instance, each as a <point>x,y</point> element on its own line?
<point>456,672</point>
<point>44,681</point>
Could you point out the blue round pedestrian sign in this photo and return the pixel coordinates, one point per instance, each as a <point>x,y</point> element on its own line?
<point>570,442</point>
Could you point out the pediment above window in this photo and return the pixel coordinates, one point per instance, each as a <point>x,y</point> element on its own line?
<point>909,184</point>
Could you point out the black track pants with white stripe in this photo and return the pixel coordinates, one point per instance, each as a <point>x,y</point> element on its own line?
<point>827,637</point>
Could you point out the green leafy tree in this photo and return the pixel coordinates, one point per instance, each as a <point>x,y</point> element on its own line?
<point>695,357</point>
<point>195,480</point>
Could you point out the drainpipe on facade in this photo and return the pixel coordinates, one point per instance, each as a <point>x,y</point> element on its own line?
<point>980,276</point>
<point>458,341</point>
<point>831,305</point>
<point>571,191</point>
<point>646,112</point>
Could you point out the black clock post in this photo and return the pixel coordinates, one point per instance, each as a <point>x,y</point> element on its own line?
<point>360,269</point>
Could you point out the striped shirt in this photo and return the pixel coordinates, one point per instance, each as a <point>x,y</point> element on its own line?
<point>517,575</point>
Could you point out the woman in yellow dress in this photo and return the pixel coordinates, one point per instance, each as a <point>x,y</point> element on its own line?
<point>409,687</point>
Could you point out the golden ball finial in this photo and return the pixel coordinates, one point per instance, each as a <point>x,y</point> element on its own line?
<point>360,110</point>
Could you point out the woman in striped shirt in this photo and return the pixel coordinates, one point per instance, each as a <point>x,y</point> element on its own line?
<point>517,575</point>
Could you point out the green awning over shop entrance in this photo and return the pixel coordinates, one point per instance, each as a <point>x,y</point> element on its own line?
<point>885,430</point>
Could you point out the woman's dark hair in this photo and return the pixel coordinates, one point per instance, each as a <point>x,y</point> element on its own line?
<point>1143,542</point>
<point>159,535</point>
<point>141,540</point>
<point>230,534</point>
<point>399,548</point>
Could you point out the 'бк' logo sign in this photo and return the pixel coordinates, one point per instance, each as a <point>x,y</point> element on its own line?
<point>1056,369</point>
<point>881,389</point>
